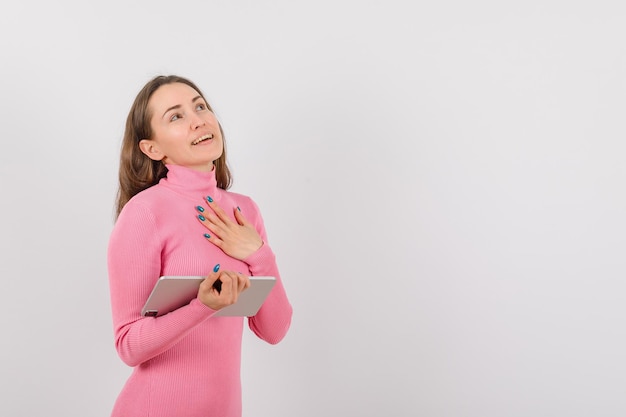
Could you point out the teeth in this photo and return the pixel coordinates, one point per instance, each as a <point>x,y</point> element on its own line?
<point>202,139</point>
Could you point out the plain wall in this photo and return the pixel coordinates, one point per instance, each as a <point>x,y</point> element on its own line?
<point>442,183</point>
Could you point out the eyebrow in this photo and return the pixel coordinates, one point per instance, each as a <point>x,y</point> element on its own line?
<point>178,106</point>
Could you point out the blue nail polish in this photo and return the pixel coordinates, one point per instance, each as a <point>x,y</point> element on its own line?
<point>238,208</point>
<point>216,268</point>
<point>209,199</point>
<point>208,236</point>
<point>201,217</point>
<point>200,209</point>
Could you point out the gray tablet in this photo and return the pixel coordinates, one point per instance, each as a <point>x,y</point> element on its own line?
<point>172,292</point>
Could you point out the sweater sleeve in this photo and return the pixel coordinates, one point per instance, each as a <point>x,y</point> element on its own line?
<point>273,319</point>
<point>134,264</point>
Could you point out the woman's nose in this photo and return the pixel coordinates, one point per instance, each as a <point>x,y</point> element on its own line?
<point>196,121</point>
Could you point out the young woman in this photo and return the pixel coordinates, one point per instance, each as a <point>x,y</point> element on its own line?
<point>176,217</point>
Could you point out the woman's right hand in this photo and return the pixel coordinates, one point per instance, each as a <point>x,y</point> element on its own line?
<point>232,284</point>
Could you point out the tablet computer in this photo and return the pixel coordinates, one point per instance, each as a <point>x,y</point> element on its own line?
<point>172,292</point>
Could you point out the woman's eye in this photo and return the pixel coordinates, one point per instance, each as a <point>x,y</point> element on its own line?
<point>174,117</point>
<point>201,107</point>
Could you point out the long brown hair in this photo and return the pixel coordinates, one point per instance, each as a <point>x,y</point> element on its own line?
<point>138,172</point>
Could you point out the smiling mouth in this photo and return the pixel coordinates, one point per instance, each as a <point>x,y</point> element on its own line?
<point>202,139</point>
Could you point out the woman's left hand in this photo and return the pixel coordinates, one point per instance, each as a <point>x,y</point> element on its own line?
<point>237,239</point>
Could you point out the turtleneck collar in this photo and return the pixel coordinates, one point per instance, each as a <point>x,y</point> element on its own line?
<point>189,181</point>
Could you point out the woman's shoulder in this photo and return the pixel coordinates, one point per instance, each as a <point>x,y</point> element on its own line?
<point>238,197</point>
<point>233,195</point>
<point>240,200</point>
<point>151,198</point>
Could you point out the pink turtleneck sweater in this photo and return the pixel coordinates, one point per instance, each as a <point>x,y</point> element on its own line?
<point>186,363</point>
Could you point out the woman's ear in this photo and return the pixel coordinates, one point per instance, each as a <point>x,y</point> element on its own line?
<point>151,150</point>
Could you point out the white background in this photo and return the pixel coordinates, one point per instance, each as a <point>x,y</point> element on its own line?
<point>442,183</point>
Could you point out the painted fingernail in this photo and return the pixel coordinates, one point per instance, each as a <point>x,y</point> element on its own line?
<point>200,209</point>
<point>238,208</point>
<point>209,199</point>
<point>216,268</point>
<point>201,217</point>
<point>208,236</point>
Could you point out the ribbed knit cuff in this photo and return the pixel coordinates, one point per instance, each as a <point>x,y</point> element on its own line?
<point>263,261</point>
<point>200,308</point>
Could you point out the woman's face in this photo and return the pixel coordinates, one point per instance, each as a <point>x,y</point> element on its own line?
<point>184,131</point>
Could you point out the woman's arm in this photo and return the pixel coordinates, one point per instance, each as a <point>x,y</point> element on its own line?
<point>134,263</point>
<point>273,319</point>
